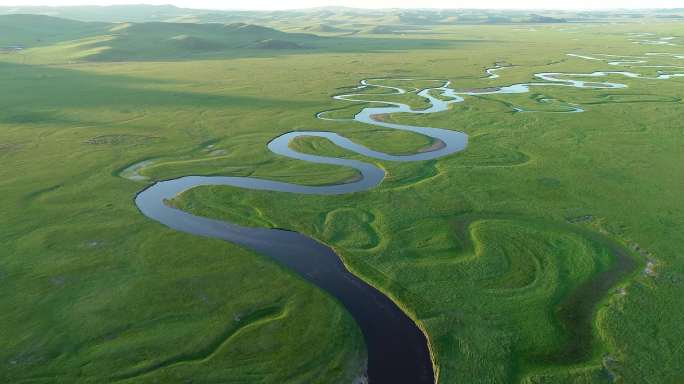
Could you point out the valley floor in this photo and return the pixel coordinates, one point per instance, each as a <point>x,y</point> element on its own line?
<point>503,253</point>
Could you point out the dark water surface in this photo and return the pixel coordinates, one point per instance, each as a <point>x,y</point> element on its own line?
<point>398,350</point>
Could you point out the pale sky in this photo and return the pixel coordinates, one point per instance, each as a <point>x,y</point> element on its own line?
<point>289,4</point>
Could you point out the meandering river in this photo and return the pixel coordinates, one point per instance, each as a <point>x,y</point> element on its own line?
<point>398,350</point>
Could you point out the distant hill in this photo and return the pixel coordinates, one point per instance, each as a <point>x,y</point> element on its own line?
<point>277,44</point>
<point>112,14</point>
<point>325,28</point>
<point>158,40</point>
<point>330,19</point>
<point>98,41</point>
<point>395,29</point>
<point>545,19</point>
<point>193,43</point>
<point>36,30</point>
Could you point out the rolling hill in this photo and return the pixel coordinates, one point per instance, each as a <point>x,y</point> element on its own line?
<point>157,40</point>
<point>337,17</point>
<point>23,30</point>
<point>95,41</point>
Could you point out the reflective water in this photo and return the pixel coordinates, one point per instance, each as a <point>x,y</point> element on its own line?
<point>398,350</point>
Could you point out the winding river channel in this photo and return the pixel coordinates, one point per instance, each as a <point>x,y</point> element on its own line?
<point>398,350</point>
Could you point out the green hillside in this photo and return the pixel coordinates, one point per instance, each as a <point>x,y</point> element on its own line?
<point>36,30</point>
<point>74,40</point>
<point>133,41</point>
<point>80,41</point>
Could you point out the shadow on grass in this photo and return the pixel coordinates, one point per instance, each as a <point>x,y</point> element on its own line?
<point>119,49</point>
<point>38,94</point>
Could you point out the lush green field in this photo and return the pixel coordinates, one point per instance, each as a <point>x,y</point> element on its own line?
<point>487,249</point>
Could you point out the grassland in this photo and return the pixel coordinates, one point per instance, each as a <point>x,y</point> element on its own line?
<point>485,248</point>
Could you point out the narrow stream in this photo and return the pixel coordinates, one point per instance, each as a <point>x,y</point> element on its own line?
<point>398,350</point>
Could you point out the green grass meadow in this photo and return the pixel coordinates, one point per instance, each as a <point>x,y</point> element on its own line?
<point>493,251</point>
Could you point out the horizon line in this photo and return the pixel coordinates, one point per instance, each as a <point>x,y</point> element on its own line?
<point>347,7</point>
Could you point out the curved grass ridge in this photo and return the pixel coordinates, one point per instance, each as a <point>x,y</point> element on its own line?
<point>372,175</point>
<point>252,319</point>
<point>575,310</point>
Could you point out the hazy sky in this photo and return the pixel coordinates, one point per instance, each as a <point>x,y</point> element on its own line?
<point>282,4</point>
